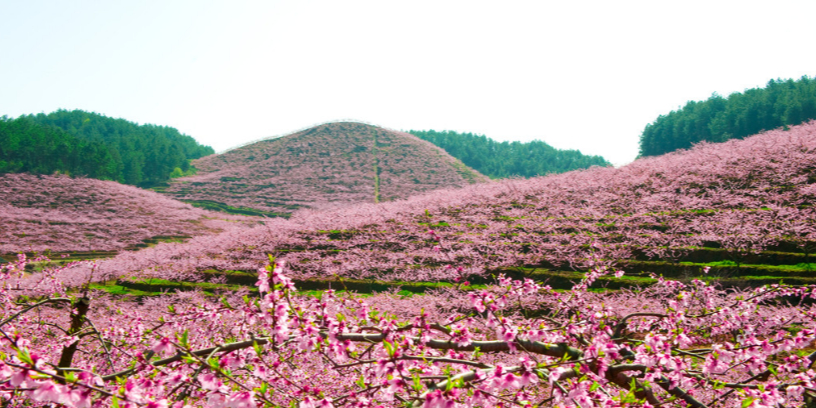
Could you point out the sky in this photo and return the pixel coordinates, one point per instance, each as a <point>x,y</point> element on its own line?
<point>585,75</point>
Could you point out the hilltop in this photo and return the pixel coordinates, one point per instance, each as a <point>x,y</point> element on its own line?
<point>64,214</point>
<point>323,167</point>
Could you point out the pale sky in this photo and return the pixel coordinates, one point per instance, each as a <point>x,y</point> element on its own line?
<point>586,75</point>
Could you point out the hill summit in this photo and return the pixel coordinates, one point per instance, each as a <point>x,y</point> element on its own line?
<point>322,167</point>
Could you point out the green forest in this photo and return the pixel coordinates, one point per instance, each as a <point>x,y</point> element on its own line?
<point>92,145</point>
<point>781,103</point>
<point>507,159</point>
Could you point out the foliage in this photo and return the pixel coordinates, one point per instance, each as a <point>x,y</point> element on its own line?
<point>779,104</point>
<point>27,146</point>
<point>93,145</point>
<point>508,159</point>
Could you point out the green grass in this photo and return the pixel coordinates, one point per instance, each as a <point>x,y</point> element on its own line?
<point>154,287</point>
<point>800,267</point>
<point>312,287</point>
<point>216,206</point>
<point>120,290</point>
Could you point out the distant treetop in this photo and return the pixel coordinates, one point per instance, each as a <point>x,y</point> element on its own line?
<point>781,103</point>
<point>506,159</point>
<point>89,144</point>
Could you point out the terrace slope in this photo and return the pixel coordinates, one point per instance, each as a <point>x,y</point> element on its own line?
<point>64,214</point>
<point>744,207</point>
<point>322,167</point>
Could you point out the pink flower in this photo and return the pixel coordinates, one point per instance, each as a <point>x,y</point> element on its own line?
<point>162,403</point>
<point>5,371</point>
<point>82,397</point>
<point>435,399</point>
<point>477,302</point>
<point>242,400</point>
<point>308,402</point>
<point>527,378</point>
<point>21,379</point>
<point>263,280</point>
<point>50,392</point>
<point>795,391</point>
<point>163,345</point>
<point>555,374</point>
<point>509,380</point>
<point>209,382</point>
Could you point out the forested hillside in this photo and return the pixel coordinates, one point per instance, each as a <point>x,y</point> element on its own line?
<point>505,159</point>
<point>89,144</point>
<point>29,147</point>
<point>779,104</point>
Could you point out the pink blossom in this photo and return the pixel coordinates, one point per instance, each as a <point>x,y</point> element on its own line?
<point>163,345</point>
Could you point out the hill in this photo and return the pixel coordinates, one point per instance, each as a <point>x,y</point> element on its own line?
<point>89,144</point>
<point>63,214</point>
<point>780,103</point>
<point>742,208</point>
<point>508,159</point>
<point>322,167</point>
<point>634,260</point>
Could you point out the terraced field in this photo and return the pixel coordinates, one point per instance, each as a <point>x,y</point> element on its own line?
<point>86,218</point>
<point>740,211</point>
<point>176,321</point>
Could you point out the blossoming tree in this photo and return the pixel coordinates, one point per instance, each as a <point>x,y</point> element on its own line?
<point>516,343</point>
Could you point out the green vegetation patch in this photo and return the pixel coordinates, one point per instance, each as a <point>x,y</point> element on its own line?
<point>216,206</point>
<point>507,159</point>
<point>717,119</point>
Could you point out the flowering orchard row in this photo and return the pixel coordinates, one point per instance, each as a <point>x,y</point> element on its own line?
<point>513,344</point>
<point>60,214</point>
<point>744,196</point>
<point>323,167</point>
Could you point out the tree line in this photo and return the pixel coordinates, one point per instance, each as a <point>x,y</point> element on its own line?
<point>506,159</point>
<point>92,145</point>
<point>780,104</point>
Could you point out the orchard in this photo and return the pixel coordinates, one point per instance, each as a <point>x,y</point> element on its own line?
<point>493,332</point>
<point>515,343</point>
